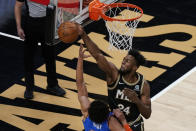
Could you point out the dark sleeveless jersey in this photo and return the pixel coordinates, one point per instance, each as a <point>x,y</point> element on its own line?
<point>118,100</point>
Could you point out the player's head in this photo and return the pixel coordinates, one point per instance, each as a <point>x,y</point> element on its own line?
<point>98,111</point>
<point>132,61</point>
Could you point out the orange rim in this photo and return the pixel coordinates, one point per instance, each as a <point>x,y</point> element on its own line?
<point>97,9</point>
<point>120,5</point>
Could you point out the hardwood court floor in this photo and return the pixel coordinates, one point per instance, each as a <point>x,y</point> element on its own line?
<point>176,109</point>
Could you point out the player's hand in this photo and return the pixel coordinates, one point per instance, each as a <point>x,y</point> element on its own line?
<point>21,33</point>
<point>81,53</point>
<point>80,29</point>
<point>119,114</point>
<point>131,94</point>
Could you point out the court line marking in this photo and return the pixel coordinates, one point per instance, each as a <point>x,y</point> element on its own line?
<point>11,36</point>
<point>154,97</point>
<point>174,84</point>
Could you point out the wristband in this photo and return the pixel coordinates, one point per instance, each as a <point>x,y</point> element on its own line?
<point>127,128</point>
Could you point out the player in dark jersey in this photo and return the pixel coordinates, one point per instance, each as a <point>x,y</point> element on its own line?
<point>96,115</point>
<point>127,89</point>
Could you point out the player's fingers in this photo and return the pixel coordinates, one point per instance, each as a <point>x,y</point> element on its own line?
<point>115,112</point>
<point>86,56</point>
<point>127,90</point>
<point>81,47</point>
<point>77,24</point>
<point>117,109</point>
<point>84,50</point>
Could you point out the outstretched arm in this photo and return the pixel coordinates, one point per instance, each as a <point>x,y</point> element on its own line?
<point>109,68</point>
<point>82,91</point>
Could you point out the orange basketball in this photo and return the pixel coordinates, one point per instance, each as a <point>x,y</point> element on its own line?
<point>68,32</point>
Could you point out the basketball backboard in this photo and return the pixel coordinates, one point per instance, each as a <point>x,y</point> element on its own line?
<point>73,10</point>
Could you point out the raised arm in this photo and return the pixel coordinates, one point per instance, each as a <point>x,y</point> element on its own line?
<point>109,68</point>
<point>82,91</point>
<point>17,12</point>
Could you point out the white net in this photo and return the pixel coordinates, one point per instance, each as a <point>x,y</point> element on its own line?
<point>121,32</point>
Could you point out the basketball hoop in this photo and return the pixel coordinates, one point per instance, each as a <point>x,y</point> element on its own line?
<point>121,20</point>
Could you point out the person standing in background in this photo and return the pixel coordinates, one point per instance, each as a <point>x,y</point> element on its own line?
<point>34,32</point>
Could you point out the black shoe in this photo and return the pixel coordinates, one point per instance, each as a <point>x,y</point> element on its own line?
<point>56,90</point>
<point>28,94</point>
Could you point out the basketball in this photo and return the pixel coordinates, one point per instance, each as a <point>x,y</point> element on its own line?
<point>68,32</point>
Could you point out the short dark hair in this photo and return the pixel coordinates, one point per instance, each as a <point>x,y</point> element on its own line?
<point>140,60</point>
<point>98,111</point>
